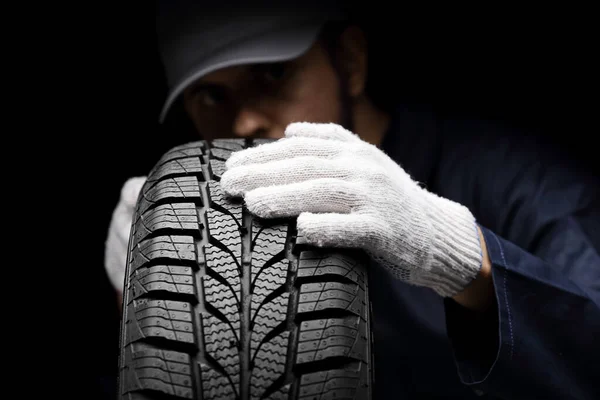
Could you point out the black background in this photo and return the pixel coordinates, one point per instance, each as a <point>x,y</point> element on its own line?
<point>531,70</point>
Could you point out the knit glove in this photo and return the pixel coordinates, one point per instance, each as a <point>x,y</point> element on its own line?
<point>115,249</point>
<point>347,193</point>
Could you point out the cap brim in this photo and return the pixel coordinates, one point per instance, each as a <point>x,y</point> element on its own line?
<point>277,46</point>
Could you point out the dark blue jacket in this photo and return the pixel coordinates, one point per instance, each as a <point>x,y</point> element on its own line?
<point>540,216</point>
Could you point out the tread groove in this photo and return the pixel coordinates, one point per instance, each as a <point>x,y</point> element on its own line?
<point>217,243</point>
<point>219,278</point>
<point>215,312</point>
<point>277,384</point>
<point>225,211</point>
<point>273,260</point>
<point>153,204</point>
<point>167,344</point>
<point>325,277</point>
<point>219,368</point>
<point>169,296</point>
<point>294,300</point>
<point>195,233</point>
<point>273,295</point>
<point>246,300</point>
<point>273,333</point>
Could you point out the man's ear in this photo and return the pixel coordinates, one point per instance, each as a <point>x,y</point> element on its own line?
<point>352,54</point>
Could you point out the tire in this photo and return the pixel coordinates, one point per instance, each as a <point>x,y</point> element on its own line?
<point>293,323</point>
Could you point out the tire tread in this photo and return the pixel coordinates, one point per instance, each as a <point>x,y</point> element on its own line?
<point>220,304</point>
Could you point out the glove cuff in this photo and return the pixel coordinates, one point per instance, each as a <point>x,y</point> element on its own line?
<point>456,249</point>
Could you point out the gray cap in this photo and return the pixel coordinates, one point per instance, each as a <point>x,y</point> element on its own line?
<point>198,37</point>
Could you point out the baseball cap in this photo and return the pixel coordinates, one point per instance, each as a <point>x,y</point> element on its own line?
<point>198,37</point>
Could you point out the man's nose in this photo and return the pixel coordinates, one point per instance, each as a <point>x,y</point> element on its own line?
<point>251,122</point>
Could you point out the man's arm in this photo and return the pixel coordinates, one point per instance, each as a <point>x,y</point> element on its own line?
<point>479,295</point>
<point>528,326</point>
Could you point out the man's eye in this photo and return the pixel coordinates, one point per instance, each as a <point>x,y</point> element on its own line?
<point>275,72</point>
<point>209,98</point>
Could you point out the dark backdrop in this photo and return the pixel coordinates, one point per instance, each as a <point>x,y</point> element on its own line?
<point>531,71</point>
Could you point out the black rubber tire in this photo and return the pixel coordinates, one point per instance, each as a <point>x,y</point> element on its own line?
<point>219,304</point>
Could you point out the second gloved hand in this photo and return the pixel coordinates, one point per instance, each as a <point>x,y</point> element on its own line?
<point>348,193</point>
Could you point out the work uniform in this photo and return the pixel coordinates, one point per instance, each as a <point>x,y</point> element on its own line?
<point>540,218</point>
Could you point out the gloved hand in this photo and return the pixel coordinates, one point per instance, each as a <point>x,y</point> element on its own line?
<point>348,193</point>
<point>115,250</point>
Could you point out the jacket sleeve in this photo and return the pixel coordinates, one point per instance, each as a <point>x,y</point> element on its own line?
<point>540,216</point>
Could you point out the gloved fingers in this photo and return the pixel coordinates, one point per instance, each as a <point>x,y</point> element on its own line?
<point>320,131</point>
<point>318,196</point>
<point>117,241</point>
<point>338,230</point>
<point>131,190</point>
<point>285,149</point>
<point>115,259</point>
<point>240,180</point>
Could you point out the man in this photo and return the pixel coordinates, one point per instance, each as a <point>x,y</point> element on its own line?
<point>486,278</point>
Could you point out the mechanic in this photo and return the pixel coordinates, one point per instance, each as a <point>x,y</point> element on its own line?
<point>486,273</point>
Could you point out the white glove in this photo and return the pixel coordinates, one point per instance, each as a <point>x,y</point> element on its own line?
<point>115,250</point>
<point>348,193</point>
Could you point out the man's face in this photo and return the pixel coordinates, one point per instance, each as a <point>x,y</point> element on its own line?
<point>260,100</point>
